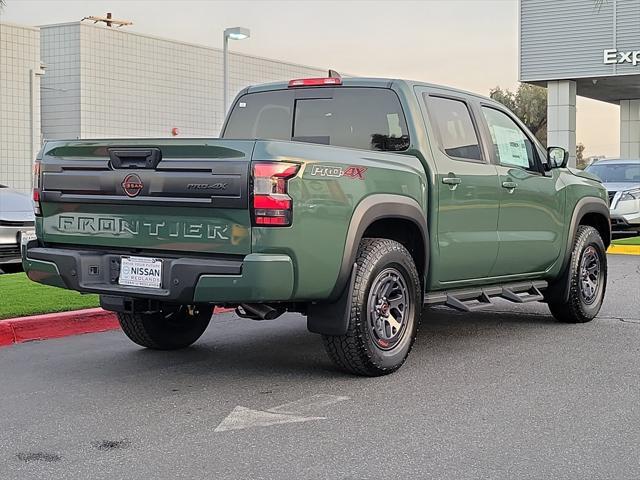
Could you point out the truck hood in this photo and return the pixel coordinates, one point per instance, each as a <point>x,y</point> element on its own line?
<point>15,206</point>
<point>583,174</point>
<point>621,186</point>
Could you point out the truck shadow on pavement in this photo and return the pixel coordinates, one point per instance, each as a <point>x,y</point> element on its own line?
<point>239,348</point>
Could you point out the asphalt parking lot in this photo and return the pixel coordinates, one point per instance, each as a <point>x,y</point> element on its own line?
<point>507,393</point>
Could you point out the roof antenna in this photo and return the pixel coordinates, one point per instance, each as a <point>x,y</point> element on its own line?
<point>334,74</point>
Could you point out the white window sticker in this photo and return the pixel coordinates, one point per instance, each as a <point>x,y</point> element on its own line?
<point>511,146</point>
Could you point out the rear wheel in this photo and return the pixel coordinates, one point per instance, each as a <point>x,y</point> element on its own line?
<point>587,277</point>
<point>169,329</point>
<point>385,311</point>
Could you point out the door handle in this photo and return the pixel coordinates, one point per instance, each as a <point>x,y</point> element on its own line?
<point>509,185</point>
<point>452,181</point>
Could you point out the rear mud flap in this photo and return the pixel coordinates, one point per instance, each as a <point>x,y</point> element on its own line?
<point>332,318</point>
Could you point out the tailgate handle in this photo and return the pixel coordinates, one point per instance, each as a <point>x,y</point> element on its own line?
<point>135,157</point>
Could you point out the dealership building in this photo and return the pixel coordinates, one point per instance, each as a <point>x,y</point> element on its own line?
<point>79,80</point>
<point>99,82</point>
<point>586,48</point>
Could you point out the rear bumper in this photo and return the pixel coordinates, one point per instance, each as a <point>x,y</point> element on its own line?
<point>9,253</point>
<point>185,280</point>
<point>10,243</point>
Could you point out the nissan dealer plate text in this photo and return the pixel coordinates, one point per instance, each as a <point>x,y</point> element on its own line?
<point>140,272</point>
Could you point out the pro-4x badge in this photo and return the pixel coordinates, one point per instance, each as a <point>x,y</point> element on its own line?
<point>353,172</point>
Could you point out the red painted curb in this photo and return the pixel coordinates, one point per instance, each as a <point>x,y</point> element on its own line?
<point>55,325</point>
<point>217,310</point>
<point>63,324</point>
<point>6,334</point>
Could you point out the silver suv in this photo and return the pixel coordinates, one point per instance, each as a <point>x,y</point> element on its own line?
<point>622,180</point>
<point>16,213</point>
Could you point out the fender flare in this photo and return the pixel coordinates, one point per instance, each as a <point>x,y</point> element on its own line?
<point>559,289</point>
<point>331,317</point>
<point>584,206</point>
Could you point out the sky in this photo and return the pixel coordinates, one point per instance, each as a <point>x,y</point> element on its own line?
<point>468,44</point>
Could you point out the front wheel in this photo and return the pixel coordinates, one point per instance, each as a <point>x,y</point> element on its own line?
<point>587,277</point>
<point>384,308</point>
<point>169,329</point>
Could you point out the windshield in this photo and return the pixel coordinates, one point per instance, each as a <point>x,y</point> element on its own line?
<point>616,172</point>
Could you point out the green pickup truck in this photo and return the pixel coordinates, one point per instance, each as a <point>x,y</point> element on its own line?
<point>356,202</point>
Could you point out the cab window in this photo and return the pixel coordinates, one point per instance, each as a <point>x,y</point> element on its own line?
<point>356,117</point>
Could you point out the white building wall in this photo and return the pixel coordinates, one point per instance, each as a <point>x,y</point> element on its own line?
<point>60,90</point>
<point>114,83</point>
<point>19,103</point>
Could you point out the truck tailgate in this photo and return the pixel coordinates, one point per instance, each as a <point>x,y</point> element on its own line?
<point>170,195</point>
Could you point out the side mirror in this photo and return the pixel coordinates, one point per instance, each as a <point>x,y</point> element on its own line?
<point>557,157</point>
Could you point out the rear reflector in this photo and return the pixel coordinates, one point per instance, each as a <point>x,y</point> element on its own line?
<point>315,82</point>
<point>274,221</point>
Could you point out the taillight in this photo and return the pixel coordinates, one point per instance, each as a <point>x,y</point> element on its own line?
<point>36,187</point>
<point>272,206</point>
<point>315,82</point>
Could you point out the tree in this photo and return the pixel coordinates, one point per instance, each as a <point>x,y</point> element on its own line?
<point>580,160</point>
<point>529,103</point>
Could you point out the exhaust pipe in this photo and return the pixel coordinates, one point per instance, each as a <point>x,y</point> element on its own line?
<point>259,311</point>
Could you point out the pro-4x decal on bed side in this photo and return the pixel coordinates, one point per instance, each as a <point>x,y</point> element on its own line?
<point>353,172</point>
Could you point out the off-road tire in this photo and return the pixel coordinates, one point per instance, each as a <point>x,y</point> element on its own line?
<point>358,350</point>
<point>576,309</point>
<point>169,329</point>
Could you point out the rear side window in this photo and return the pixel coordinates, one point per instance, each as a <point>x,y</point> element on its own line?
<point>365,118</point>
<point>457,133</point>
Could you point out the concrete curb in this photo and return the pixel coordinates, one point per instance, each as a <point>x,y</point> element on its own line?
<point>62,324</point>
<point>624,249</point>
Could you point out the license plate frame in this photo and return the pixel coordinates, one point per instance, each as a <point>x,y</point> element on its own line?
<point>25,236</point>
<point>144,272</point>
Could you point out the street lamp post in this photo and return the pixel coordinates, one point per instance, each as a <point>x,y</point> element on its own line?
<point>235,33</point>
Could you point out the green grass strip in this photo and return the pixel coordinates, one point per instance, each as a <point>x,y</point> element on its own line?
<point>20,297</point>
<point>628,241</point>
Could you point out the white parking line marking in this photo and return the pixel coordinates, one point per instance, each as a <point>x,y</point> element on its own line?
<point>309,403</point>
<point>242,417</point>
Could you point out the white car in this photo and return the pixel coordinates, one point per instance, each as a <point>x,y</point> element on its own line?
<point>16,215</point>
<point>622,180</point>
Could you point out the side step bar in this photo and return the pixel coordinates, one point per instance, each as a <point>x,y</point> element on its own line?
<point>471,299</point>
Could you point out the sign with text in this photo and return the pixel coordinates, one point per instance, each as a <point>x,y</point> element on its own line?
<point>613,56</point>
